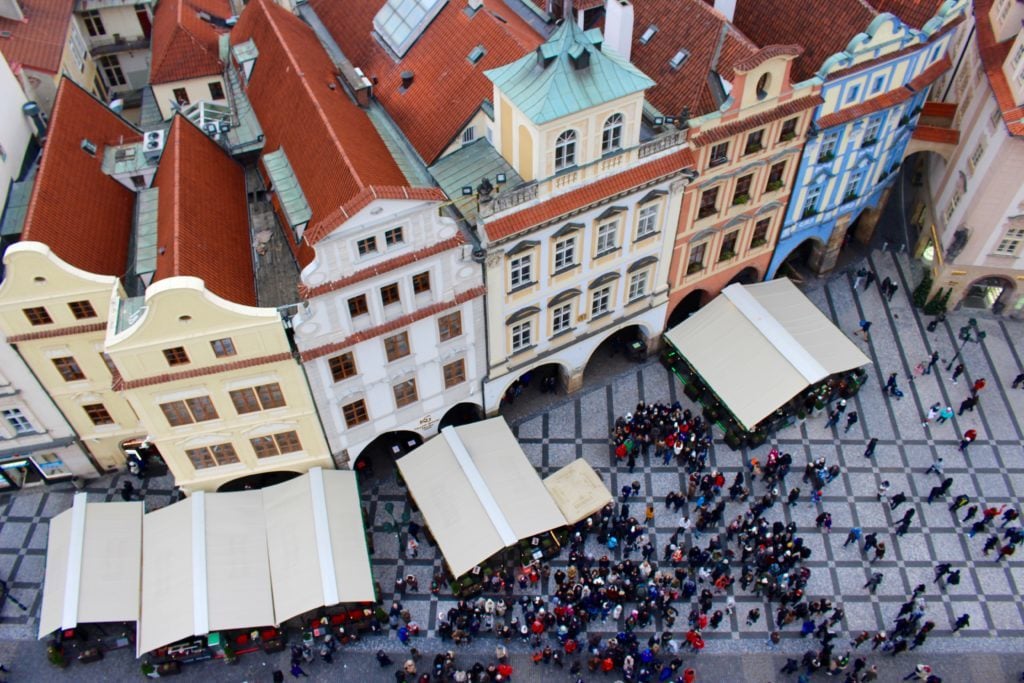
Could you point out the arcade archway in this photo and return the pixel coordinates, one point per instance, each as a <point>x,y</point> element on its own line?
<point>461,414</point>
<point>689,305</point>
<point>254,482</point>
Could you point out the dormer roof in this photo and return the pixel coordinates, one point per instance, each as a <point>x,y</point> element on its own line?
<point>185,45</point>
<point>568,73</point>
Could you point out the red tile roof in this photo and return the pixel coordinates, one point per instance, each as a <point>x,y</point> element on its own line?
<point>84,215</point>
<point>383,267</point>
<point>887,99</point>
<point>392,325</point>
<point>949,136</point>
<point>332,146</point>
<point>38,41</point>
<point>915,13</point>
<point>993,55</point>
<point>942,110</point>
<point>698,28</point>
<point>185,46</point>
<point>580,199</point>
<point>203,215</point>
<point>363,199</point>
<point>57,332</point>
<point>756,121</point>
<point>447,88</point>
<point>822,27</point>
<point>192,373</point>
<point>891,56</point>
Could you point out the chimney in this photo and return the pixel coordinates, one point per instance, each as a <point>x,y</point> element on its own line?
<point>406,79</point>
<point>618,26</point>
<point>726,7</point>
<point>11,9</point>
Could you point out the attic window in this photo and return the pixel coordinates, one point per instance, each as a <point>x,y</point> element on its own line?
<point>679,59</point>
<point>648,34</point>
<point>476,54</point>
<point>400,22</point>
<point>89,146</point>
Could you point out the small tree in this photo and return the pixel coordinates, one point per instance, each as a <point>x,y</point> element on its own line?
<point>922,291</point>
<point>936,305</point>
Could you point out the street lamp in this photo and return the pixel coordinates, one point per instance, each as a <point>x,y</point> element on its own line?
<point>966,332</point>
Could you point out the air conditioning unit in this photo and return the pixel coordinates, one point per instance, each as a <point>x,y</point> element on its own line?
<point>153,144</point>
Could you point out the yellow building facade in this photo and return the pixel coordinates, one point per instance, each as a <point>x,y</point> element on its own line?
<point>216,385</point>
<point>56,317</point>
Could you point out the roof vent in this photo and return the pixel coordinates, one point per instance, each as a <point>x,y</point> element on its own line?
<point>580,56</point>
<point>546,53</point>
<point>89,146</point>
<point>407,77</point>
<point>648,34</point>
<point>679,59</point>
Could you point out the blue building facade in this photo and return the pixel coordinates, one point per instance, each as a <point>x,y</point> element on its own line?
<point>873,93</point>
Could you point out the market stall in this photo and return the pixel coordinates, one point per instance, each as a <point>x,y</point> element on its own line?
<point>578,491</point>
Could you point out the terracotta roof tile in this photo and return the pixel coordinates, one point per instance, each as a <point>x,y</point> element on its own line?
<point>993,54</point>
<point>891,56</point>
<point>363,199</point>
<point>938,134</point>
<point>697,28</point>
<point>57,332</point>
<point>332,146</point>
<point>192,373</point>
<point>84,215</point>
<point>383,267</point>
<point>580,199</point>
<point>203,216</point>
<point>888,99</point>
<point>780,112</point>
<point>38,41</point>
<point>392,325</point>
<point>943,110</point>
<point>185,46</point>
<point>822,27</point>
<point>447,88</point>
<point>915,13</point>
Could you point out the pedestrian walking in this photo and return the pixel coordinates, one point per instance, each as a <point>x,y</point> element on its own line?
<point>870,541</point>
<point>853,536</point>
<point>862,273</point>
<point>1018,380</point>
<point>933,413</point>
<point>127,491</point>
<point>870,450</point>
<point>963,621</point>
<point>865,326</point>
<point>941,570</point>
<point>936,467</point>
<point>945,414</point>
<point>958,502</point>
<point>991,543</point>
<point>752,616</point>
<point>883,490</point>
<point>874,581</point>
<point>979,384</point>
<point>1009,515</point>
<point>883,286</point>
<point>932,360</point>
<point>953,578</point>
<point>921,672</point>
<point>969,436</point>
<point>971,511</point>
<point>851,420</point>
<point>891,292</point>
<point>879,552</point>
<point>890,384</point>
<point>297,671</point>
<point>968,404</point>
<point>897,500</point>
<point>957,371</point>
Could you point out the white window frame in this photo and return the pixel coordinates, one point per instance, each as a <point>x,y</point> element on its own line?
<point>829,142</point>
<point>522,335</point>
<point>18,421</point>
<point>638,285</point>
<point>611,133</point>
<point>561,318</point>
<point>600,301</point>
<point>811,200</point>
<point>872,128</point>
<point>853,183</point>
<point>647,221</point>
<point>1010,242</point>
<point>398,231</point>
<point>565,253</point>
<point>520,271</point>
<point>605,232</point>
<point>370,242</point>
<point>565,150</point>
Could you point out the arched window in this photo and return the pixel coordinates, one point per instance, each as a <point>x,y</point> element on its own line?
<point>565,150</point>
<point>611,136</point>
<point>763,83</point>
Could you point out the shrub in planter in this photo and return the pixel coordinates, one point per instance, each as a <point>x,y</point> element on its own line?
<point>740,199</point>
<point>774,185</point>
<point>55,655</point>
<point>694,268</point>
<point>922,290</point>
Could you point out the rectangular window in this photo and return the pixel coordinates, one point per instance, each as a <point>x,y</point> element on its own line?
<point>775,176</point>
<point>97,412</point>
<point>393,236</point>
<point>176,413</point>
<point>449,326</point>
<point>852,94</point>
<point>421,283</point>
<point>788,131</point>
<point>760,236</point>
<point>176,356</point>
<point>708,203</point>
<point>82,310</point>
<point>871,132</point>
<point>405,393</point>
<point>741,195</point>
<point>245,401</point>
<point>397,346</point>
<point>270,395</point>
<point>728,249</point>
<point>222,348</point>
<point>342,366</point>
<point>357,306</point>
<point>811,200</point>
<point>68,369</point>
<point>561,318</point>
<point>827,151</point>
<point>522,335</point>
<point>389,294</point>
<point>637,285</point>
<point>37,315</point>
<point>212,456</point>
<point>647,223</point>
<point>852,190</point>
<point>199,409</point>
<point>454,373</point>
<point>216,90</point>
<point>521,271</point>
<point>366,246</point>
<point>111,68</point>
<point>275,444</point>
<point>1009,245</point>
<point>606,238</point>
<point>600,301</point>
<point>93,22</point>
<point>877,85</point>
<point>355,413</point>
<point>976,155</point>
<point>565,254</point>
<point>754,142</point>
<point>18,422</point>
<point>719,154</point>
<point>181,96</point>
<point>696,261</point>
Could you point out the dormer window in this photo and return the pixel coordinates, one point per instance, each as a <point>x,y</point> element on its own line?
<point>762,86</point>
<point>565,150</point>
<point>678,59</point>
<point>611,136</point>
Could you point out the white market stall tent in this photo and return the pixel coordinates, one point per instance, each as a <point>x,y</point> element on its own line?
<point>578,491</point>
<point>757,346</point>
<point>478,492</point>
<point>213,562</point>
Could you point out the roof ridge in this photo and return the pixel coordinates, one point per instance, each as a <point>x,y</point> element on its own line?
<point>176,198</point>
<point>272,21</point>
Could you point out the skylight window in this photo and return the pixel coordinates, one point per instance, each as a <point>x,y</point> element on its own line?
<point>648,34</point>
<point>679,59</point>
<point>476,54</point>
<point>400,22</point>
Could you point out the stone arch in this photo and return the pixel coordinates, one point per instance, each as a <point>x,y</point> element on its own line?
<point>992,292</point>
<point>258,481</point>
<point>461,414</point>
<point>807,251</point>
<point>686,307</point>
